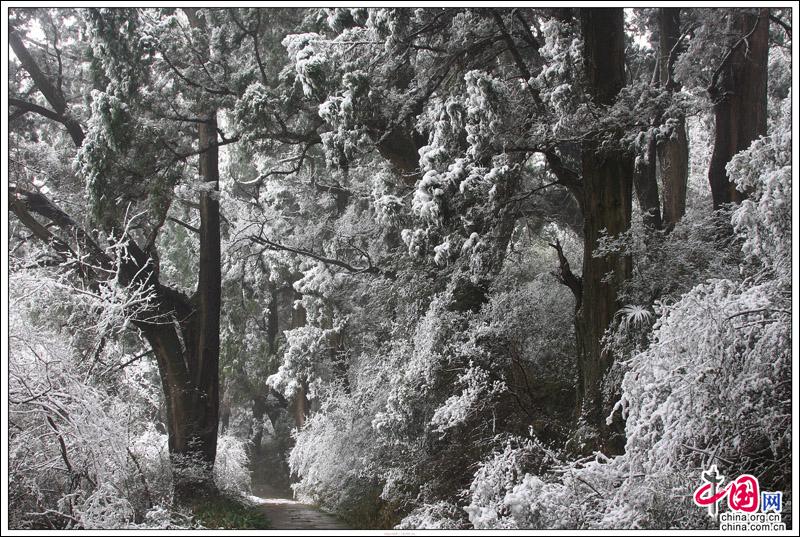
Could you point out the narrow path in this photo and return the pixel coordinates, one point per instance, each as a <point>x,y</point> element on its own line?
<point>284,513</point>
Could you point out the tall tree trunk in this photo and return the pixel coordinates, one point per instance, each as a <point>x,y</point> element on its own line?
<point>672,165</point>
<point>259,410</point>
<point>196,420</point>
<point>646,184</point>
<point>188,354</point>
<point>202,332</point>
<point>673,153</point>
<point>606,193</point>
<point>185,340</point>
<point>739,93</point>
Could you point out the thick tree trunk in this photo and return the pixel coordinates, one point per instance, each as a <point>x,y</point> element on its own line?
<point>196,420</point>
<point>607,205</point>
<point>202,333</point>
<point>185,335</point>
<point>606,193</point>
<point>672,166</point>
<point>192,413</point>
<point>299,406</point>
<point>739,93</point>
<point>673,153</point>
<point>646,185</point>
<point>188,354</point>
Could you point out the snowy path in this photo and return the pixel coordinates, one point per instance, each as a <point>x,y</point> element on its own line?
<point>287,514</point>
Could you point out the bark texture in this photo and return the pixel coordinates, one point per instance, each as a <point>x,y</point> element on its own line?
<point>607,189</point>
<point>646,185</point>
<point>739,92</point>
<point>182,331</point>
<point>196,417</point>
<point>672,163</point>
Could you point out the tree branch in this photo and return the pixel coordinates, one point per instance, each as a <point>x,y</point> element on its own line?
<point>521,66</point>
<point>300,159</point>
<point>565,275</point>
<point>783,24</point>
<point>184,224</point>
<point>712,86</point>
<point>62,249</point>
<point>192,83</point>
<point>136,267</point>
<point>52,94</point>
<point>211,145</point>
<point>61,444</point>
<point>141,477</point>
<point>566,176</point>
<point>526,29</point>
<point>22,203</point>
<point>43,83</point>
<point>136,358</point>
<point>24,107</point>
<point>369,269</point>
<point>254,35</point>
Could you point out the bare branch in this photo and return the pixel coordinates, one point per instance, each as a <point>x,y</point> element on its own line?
<point>62,445</point>
<point>23,107</point>
<point>369,269</point>
<point>712,89</point>
<point>299,160</point>
<point>184,224</point>
<point>25,202</point>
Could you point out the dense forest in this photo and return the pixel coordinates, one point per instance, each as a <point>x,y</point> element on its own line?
<point>423,268</point>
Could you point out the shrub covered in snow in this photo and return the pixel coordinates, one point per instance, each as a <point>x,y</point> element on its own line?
<point>231,467</point>
<point>711,386</point>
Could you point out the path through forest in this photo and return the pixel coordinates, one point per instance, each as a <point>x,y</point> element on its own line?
<point>285,513</point>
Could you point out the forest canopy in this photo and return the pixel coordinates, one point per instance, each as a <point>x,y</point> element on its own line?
<point>424,268</point>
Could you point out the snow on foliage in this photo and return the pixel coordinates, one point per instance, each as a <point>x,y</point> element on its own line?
<point>765,218</point>
<point>390,182</point>
<point>437,516</point>
<point>711,387</point>
<point>85,453</point>
<point>346,137</point>
<point>231,467</point>
<point>309,61</point>
<point>477,387</point>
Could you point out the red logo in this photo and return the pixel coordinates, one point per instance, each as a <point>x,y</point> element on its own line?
<point>742,493</point>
